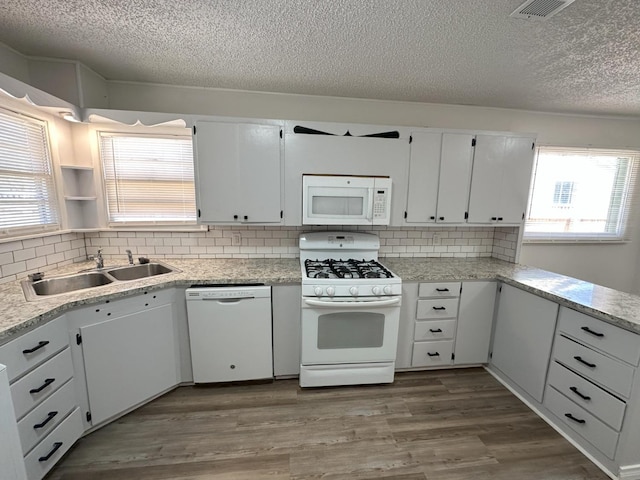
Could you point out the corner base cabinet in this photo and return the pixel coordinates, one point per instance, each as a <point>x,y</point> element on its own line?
<point>524,331</point>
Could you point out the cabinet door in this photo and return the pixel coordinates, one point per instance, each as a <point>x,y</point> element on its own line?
<point>286,301</point>
<point>424,170</point>
<point>11,462</point>
<point>486,179</point>
<point>407,324</point>
<point>523,337</point>
<point>516,179</point>
<point>475,319</point>
<point>455,175</point>
<point>129,360</point>
<point>237,172</point>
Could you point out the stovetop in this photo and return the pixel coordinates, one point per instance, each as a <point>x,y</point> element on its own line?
<point>345,269</point>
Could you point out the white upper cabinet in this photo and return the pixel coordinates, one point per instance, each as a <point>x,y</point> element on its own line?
<point>238,172</point>
<point>500,181</point>
<point>439,176</point>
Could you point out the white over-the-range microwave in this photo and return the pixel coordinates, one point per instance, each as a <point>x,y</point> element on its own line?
<point>345,200</point>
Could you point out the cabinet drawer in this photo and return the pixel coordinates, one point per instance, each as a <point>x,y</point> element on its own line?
<point>435,330</point>
<point>52,448</point>
<point>110,309</point>
<point>34,387</point>
<point>592,398</point>
<point>606,371</point>
<point>431,354</point>
<point>437,308</point>
<point>34,347</point>
<point>45,417</point>
<point>446,289</point>
<point>617,342</point>
<point>586,425</point>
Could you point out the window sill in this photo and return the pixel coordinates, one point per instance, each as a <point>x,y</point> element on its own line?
<point>574,241</point>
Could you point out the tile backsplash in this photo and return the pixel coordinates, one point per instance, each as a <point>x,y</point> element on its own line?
<point>18,258</point>
<point>40,254</point>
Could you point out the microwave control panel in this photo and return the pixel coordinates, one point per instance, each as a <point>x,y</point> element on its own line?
<point>382,200</point>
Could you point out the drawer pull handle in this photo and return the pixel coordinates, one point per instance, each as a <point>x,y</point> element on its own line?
<point>442,289</point>
<point>55,448</point>
<point>577,392</point>
<point>577,420</point>
<point>439,308</point>
<point>433,354</point>
<point>46,383</point>
<point>595,334</point>
<point>40,345</point>
<point>50,416</point>
<point>584,362</point>
<point>435,330</point>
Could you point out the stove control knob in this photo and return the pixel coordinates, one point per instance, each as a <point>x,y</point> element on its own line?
<point>387,289</point>
<point>331,291</point>
<point>354,291</point>
<point>318,291</point>
<point>376,290</point>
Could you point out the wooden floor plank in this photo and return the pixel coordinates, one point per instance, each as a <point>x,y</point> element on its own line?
<point>437,425</point>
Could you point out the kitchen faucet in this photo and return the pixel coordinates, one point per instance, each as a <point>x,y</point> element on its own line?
<point>99,260</point>
<point>130,256</point>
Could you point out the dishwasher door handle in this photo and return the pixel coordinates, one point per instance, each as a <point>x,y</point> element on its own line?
<point>229,300</point>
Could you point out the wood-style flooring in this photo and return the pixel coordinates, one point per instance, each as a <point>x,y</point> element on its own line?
<point>436,425</point>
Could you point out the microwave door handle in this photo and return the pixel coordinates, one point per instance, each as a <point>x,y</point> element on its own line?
<point>375,303</point>
<point>371,195</point>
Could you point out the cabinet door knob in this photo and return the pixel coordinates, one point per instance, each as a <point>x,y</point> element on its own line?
<point>235,217</point>
<point>442,289</point>
<point>435,330</point>
<point>494,218</point>
<point>499,219</point>
<point>433,217</point>
<point>55,448</point>
<point>50,417</point>
<point>433,354</point>
<point>441,218</point>
<point>439,308</point>
<point>246,217</point>
<point>46,383</point>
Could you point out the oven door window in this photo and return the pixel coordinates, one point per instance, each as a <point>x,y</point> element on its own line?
<point>350,330</point>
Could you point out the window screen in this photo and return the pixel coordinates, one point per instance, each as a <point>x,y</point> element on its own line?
<point>148,179</point>
<point>27,192</point>
<point>581,194</point>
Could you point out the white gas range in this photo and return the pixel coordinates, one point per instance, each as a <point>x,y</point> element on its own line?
<point>350,310</point>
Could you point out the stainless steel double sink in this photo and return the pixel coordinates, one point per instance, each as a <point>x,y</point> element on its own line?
<point>91,279</point>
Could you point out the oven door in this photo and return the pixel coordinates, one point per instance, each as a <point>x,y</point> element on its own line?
<point>349,332</point>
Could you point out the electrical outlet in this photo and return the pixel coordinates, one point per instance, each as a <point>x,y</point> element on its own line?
<point>436,239</point>
<point>236,239</point>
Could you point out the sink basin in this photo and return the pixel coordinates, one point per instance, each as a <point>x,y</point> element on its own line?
<point>134,272</point>
<point>70,283</point>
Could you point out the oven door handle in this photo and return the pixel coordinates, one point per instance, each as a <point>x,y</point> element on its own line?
<point>375,303</point>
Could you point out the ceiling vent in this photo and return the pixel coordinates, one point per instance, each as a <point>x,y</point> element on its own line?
<point>540,8</point>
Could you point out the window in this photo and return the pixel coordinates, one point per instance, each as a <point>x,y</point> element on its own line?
<point>148,179</point>
<point>27,194</point>
<point>581,194</point>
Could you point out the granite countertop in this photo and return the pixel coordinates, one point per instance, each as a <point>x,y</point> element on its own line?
<point>622,309</point>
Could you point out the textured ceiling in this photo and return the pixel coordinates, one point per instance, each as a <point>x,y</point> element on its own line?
<point>586,59</point>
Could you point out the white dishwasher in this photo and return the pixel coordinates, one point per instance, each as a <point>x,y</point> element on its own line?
<point>230,333</point>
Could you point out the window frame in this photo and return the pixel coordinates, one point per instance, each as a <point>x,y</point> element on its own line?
<point>11,233</point>
<point>151,224</point>
<point>625,214</point>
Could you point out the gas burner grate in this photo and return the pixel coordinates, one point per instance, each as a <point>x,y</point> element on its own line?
<point>345,269</point>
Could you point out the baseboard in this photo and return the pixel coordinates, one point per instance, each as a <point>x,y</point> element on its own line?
<point>629,472</point>
<point>557,429</point>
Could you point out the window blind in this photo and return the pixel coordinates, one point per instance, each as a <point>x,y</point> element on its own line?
<point>582,194</point>
<point>27,192</point>
<point>148,179</point>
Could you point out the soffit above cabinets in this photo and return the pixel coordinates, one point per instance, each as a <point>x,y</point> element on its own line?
<point>583,59</point>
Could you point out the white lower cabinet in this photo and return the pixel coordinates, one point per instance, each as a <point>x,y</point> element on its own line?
<point>475,320</point>
<point>286,310</point>
<point>524,331</point>
<point>128,360</point>
<point>11,461</point>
